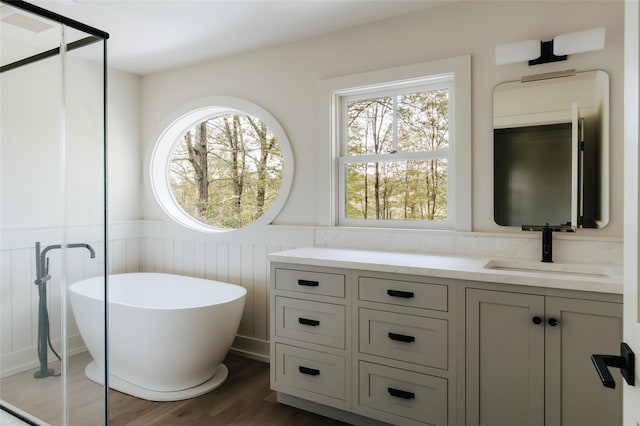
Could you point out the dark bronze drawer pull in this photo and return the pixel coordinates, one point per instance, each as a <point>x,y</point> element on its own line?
<point>307,321</point>
<point>309,371</point>
<point>308,283</point>
<point>401,337</point>
<point>398,293</point>
<point>401,394</point>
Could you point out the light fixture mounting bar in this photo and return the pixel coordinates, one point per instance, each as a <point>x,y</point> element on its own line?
<point>546,54</point>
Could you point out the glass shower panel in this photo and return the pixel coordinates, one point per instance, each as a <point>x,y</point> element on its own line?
<point>52,223</point>
<point>85,213</point>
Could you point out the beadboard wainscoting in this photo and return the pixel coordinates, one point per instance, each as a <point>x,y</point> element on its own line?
<point>238,257</point>
<point>19,295</point>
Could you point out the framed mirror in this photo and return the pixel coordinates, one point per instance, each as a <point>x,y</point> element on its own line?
<point>551,151</point>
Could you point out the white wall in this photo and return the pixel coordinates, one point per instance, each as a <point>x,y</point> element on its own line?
<point>124,147</point>
<point>31,195</point>
<point>284,80</point>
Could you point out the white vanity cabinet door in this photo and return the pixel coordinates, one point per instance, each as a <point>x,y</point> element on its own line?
<point>505,359</point>
<point>308,321</point>
<point>310,334</point>
<point>400,396</point>
<point>574,394</point>
<point>404,293</point>
<point>528,359</point>
<point>312,282</point>
<point>402,359</point>
<point>409,338</point>
<point>317,375</point>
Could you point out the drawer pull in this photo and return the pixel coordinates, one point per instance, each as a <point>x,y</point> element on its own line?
<point>398,293</point>
<point>308,283</point>
<point>401,337</point>
<point>309,371</point>
<point>401,394</point>
<point>307,321</point>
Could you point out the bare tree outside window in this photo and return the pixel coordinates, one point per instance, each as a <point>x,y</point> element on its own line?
<point>402,140</point>
<point>226,171</point>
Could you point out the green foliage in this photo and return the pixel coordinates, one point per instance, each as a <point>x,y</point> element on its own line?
<point>244,168</point>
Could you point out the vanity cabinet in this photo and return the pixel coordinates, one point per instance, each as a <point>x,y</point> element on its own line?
<point>309,328</point>
<point>528,359</point>
<point>374,347</point>
<point>402,355</point>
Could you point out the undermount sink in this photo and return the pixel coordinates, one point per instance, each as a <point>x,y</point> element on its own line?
<point>573,269</point>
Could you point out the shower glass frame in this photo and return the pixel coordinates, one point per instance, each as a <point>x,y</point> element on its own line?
<point>90,36</point>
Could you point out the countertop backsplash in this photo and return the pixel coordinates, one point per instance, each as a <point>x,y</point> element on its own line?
<point>567,247</point>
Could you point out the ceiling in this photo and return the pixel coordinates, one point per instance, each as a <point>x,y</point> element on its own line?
<point>150,36</point>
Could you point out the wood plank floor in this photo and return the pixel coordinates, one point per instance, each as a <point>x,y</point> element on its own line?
<point>244,399</point>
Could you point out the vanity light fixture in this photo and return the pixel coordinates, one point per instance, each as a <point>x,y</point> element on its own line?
<point>557,49</point>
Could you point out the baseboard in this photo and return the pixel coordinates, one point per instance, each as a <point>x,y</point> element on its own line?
<point>251,348</point>
<point>26,359</point>
<point>324,410</point>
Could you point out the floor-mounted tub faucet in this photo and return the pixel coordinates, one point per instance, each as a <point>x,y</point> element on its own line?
<point>42,276</point>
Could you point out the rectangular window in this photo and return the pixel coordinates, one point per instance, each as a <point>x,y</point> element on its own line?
<point>396,154</point>
<point>398,147</point>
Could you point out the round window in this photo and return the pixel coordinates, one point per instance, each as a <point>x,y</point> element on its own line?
<point>222,165</point>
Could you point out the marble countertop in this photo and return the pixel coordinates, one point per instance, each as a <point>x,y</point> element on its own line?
<point>584,277</point>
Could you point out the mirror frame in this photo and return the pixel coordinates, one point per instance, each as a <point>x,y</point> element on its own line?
<point>579,99</point>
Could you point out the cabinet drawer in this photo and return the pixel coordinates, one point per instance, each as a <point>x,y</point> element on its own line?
<point>404,293</point>
<point>310,282</point>
<point>315,322</point>
<point>410,338</point>
<point>403,393</point>
<point>312,371</point>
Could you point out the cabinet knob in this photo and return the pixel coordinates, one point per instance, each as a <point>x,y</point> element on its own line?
<point>553,322</point>
<point>536,320</point>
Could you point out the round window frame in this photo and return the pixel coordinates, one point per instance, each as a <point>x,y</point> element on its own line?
<point>185,118</point>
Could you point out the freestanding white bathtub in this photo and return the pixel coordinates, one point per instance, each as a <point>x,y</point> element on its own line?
<point>168,334</point>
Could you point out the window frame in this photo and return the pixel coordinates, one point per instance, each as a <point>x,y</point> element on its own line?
<point>185,118</point>
<point>395,89</point>
<point>332,93</point>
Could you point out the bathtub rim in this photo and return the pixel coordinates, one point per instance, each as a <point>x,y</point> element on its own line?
<point>242,291</point>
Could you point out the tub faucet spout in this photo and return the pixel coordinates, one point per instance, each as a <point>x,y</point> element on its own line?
<point>92,252</point>
<point>43,262</point>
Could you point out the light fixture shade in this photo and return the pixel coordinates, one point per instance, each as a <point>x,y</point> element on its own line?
<point>517,52</point>
<point>578,42</point>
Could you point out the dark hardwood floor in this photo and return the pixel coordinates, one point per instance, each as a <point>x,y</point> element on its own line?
<point>244,399</point>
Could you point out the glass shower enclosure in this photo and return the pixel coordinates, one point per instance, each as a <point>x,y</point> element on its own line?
<point>52,212</point>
